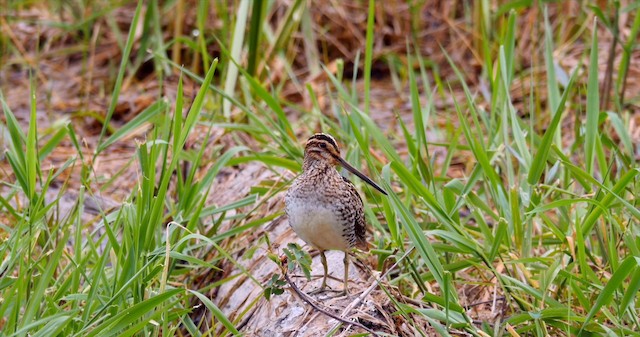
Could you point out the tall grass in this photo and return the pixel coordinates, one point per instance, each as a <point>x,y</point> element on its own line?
<point>545,218</point>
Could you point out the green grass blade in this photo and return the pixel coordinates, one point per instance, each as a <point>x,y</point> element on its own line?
<point>632,292</point>
<point>607,199</point>
<point>593,103</point>
<point>54,326</point>
<point>53,142</point>
<point>177,116</point>
<point>44,281</point>
<point>542,153</point>
<point>128,316</point>
<point>423,246</point>
<point>255,28</point>
<point>32,146</point>
<point>623,133</point>
<point>15,131</point>
<point>143,117</point>
<point>625,269</point>
<point>196,107</point>
<point>552,84</point>
<point>121,72</point>
<point>368,55</point>
<point>217,313</point>
<point>237,42</point>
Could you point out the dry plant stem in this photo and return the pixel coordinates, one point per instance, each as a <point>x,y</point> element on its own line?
<point>492,301</point>
<point>309,301</point>
<point>246,320</point>
<point>25,54</point>
<point>91,67</point>
<point>177,32</point>
<point>375,283</point>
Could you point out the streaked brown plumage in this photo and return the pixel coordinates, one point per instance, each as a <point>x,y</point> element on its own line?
<point>324,208</point>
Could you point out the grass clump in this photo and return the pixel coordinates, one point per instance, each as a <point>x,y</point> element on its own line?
<point>509,148</point>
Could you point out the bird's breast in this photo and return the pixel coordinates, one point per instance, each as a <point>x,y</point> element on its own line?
<point>317,223</point>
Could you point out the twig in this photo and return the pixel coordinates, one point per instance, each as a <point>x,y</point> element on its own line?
<point>306,298</point>
<point>246,319</point>
<point>499,298</point>
<point>608,75</point>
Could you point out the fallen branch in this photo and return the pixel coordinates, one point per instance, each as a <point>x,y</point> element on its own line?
<point>309,301</point>
<point>375,284</point>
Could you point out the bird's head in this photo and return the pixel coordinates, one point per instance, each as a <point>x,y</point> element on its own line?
<point>322,147</point>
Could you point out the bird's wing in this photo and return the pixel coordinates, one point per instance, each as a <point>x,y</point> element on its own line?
<point>359,223</point>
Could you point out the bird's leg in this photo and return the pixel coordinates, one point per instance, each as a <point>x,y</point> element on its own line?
<point>345,291</point>
<point>323,259</point>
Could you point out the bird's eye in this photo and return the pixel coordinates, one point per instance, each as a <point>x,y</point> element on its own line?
<point>323,145</point>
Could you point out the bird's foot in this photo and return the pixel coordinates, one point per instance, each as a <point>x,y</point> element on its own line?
<point>340,293</point>
<point>322,289</point>
<point>327,289</point>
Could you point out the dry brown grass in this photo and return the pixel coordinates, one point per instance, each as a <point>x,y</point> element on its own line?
<point>75,72</point>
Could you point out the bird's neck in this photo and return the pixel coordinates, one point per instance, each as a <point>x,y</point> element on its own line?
<point>316,166</point>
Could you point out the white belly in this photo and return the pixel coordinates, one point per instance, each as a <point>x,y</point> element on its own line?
<point>317,226</point>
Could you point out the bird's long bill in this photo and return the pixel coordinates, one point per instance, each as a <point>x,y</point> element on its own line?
<point>360,175</point>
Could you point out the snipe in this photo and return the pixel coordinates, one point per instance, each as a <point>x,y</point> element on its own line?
<point>324,208</point>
